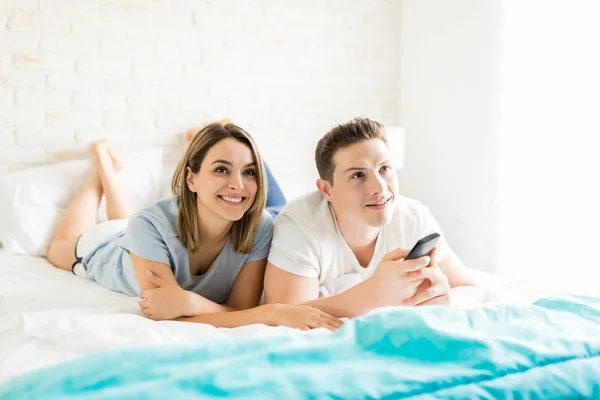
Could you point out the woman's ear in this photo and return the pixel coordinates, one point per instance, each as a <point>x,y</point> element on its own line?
<point>189,179</point>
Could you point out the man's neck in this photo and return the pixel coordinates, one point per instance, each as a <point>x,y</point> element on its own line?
<point>360,238</point>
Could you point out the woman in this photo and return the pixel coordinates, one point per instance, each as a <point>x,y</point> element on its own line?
<point>187,255</point>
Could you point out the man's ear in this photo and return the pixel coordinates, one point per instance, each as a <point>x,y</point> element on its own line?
<point>189,179</point>
<point>325,189</point>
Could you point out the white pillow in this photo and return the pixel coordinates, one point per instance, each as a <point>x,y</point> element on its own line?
<point>33,201</point>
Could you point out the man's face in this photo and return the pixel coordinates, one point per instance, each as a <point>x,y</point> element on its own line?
<point>364,184</point>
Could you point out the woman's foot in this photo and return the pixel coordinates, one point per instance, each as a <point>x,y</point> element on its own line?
<point>189,135</point>
<point>103,152</point>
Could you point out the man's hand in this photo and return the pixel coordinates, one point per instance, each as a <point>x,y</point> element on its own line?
<point>168,301</point>
<point>435,289</point>
<point>394,280</point>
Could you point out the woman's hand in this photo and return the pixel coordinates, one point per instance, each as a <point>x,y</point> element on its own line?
<point>167,301</point>
<point>299,317</point>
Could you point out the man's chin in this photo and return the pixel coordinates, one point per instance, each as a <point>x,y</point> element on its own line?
<point>380,221</point>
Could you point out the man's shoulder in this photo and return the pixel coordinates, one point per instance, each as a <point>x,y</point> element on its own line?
<point>308,212</point>
<point>307,207</point>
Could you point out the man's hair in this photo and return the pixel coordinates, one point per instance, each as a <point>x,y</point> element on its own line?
<point>354,131</point>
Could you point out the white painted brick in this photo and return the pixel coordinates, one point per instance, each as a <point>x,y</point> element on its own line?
<point>128,118</point>
<point>75,82</point>
<point>42,98</point>
<point>13,155</point>
<point>100,100</point>
<point>86,136</point>
<point>130,84</point>
<point>74,118</point>
<point>44,61</point>
<point>127,14</point>
<point>179,121</point>
<point>69,45</point>
<point>210,19</point>
<point>14,41</point>
<point>256,61</point>
<point>6,98</point>
<point>69,7</point>
<point>187,5</point>
<point>126,47</point>
<point>18,5</point>
<point>114,30</point>
<point>144,68</point>
<point>89,26</point>
<point>173,19</point>
<point>155,5</point>
<point>210,105</point>
<point>39,23</point>
<point>105,66</point>
<point>66,153</point>
<point>156,137</point>
<point>5,64</point>
<point>21,117</point>
<point>153,101</point>
<point>184,51</point>
<point>45,137</point>
<point>7,138</point>
<point>192,85</point>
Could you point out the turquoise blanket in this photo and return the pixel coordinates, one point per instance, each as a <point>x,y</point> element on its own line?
<point>548,350</point>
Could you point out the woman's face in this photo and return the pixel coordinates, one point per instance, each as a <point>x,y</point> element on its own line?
<point>226,182</point>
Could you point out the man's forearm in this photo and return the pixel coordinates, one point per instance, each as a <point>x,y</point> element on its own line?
<point>467,296</point>
<point>354,302</point>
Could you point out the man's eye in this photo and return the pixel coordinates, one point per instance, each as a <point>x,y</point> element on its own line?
<point>357,175</point>
<point>386,168</point>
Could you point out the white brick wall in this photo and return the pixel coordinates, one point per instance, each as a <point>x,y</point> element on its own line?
<point>142,72</point>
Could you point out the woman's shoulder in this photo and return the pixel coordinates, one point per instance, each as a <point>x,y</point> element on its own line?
<point>162,214</point>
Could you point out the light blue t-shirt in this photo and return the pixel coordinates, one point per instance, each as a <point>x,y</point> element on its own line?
<point>152,234</point>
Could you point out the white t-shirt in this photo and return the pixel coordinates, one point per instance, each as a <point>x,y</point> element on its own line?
<point>307,241</point>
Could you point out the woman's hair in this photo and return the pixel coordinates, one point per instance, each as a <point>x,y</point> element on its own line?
<point>243,230</point>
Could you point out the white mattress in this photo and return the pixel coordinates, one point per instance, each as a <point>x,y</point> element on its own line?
<point>48,316</point>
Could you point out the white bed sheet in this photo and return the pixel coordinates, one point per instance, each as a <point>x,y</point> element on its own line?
<point>48,316</point>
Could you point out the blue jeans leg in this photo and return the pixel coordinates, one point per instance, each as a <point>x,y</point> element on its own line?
<point>275,198</point>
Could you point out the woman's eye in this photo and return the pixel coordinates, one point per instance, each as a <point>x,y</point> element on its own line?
<point>250,172</point>
<point>357,175</point>
<point>221,170</point>
<point>386,168</point>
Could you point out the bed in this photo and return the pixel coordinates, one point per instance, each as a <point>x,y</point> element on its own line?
<point>64,336</point>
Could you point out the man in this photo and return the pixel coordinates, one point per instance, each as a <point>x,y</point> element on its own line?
<point>341,249</point>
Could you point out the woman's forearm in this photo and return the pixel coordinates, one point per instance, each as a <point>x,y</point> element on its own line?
<point>233,319</point>
<point>202,305</point>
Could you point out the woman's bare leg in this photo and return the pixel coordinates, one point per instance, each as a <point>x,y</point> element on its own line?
<point>81,215</point>
<point>118,205</point>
